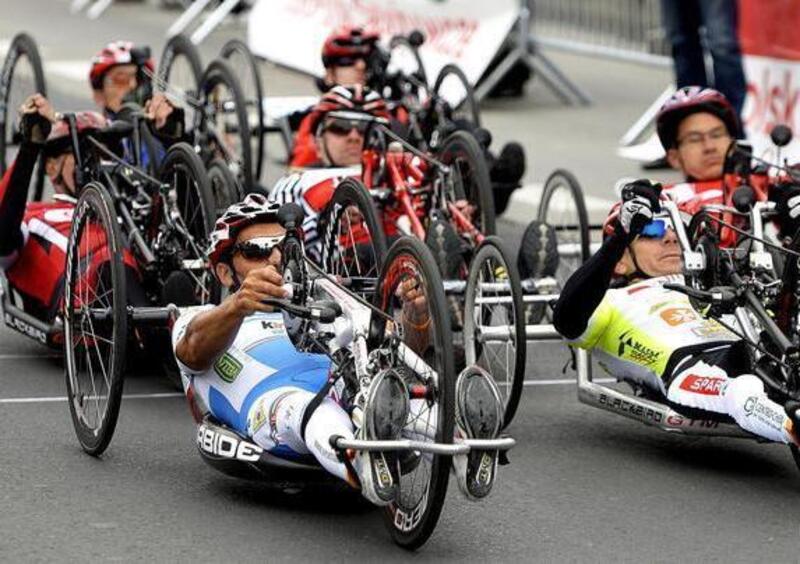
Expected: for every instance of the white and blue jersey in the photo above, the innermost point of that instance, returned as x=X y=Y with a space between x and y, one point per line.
x=262 y=362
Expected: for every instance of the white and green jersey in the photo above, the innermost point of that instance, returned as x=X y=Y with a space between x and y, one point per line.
x=636 y=330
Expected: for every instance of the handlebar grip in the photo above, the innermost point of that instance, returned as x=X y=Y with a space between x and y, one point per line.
x=324 y=313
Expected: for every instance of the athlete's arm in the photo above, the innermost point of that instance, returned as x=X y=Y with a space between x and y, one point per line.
x=585 y=289
x=212 y=332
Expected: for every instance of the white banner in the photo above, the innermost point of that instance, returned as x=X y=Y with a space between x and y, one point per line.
x=465 y=32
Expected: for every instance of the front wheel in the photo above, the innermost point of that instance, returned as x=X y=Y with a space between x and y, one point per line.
x=410 y=293
x=494 y=324
x=95 y=319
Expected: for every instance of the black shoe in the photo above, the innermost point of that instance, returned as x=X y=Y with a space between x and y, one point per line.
x=479 y=415
x=509 y=166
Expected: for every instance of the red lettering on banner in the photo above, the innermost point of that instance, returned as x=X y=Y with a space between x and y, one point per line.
x=705 y=385
x=772 y=103
x=448 y=36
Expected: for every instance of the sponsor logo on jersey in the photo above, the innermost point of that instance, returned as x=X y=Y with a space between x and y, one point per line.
x=706 y=385
x=675 y=316
x=227 y=367
x=636 y=351
x=709 y=329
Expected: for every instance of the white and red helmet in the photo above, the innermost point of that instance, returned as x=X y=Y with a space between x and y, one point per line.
x=119 y=53
x=348 y=101
x=255 y=208
x=691 y=100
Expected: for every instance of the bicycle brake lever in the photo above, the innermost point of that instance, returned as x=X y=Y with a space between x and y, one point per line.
x=323 y=313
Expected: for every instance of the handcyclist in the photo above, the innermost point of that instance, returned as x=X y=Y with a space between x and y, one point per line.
x=696 y=127
x=120 y=77
x=352 y=55
x=274 y=384
x=33 y=236
x=642 y=332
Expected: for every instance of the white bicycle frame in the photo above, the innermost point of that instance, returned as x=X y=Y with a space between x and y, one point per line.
x=352 y=329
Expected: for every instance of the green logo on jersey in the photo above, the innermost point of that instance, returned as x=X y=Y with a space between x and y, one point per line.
x=228 y=367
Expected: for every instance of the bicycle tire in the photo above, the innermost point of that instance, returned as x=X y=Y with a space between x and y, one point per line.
x=219 y=73
x=253 y=99
x=461 y=150
x=224 y=186
x=336 y=247
x=22 y=46
x=183 y=170
x=492 y=263
x=561 y=178
x=412 y=516
x=469 y=100
x=95 y=202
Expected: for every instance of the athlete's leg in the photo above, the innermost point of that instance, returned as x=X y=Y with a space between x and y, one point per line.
x=708 y=387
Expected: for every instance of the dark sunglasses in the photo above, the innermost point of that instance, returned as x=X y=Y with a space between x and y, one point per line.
x=347 y=61
x=342 y=126
x=258 y=248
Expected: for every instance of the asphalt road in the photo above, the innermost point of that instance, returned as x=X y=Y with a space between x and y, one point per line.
x=583 y=486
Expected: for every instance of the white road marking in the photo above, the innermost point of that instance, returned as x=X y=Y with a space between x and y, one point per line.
x=13 y=356
x=64 y=399
x=563 y=381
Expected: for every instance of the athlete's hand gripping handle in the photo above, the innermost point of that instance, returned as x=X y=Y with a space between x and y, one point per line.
x=640 y=201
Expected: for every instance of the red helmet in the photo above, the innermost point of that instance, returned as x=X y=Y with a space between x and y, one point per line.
x=254 y=208
x=348 y=100
x=119 y=53
x=59 y=142
x=691 y=100
x=347 y=44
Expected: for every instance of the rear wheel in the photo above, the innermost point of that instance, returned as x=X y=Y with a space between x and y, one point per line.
x=244 y=65
x=22 y=75
x=95 y=319
x=410 y=292
x=494 y=326
x=352 y=242
x=452 y=84
x=181 y=69
x=470 y=178
x=224 y=186
x=562 y=206
x=224 y=123
x=190 y=206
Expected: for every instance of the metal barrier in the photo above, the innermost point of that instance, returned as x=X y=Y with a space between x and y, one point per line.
x=625 y=29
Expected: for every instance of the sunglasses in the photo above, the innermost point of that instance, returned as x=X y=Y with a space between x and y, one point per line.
x=656 y=229
x=342 y=126
x=258 y=248
x=347 y=61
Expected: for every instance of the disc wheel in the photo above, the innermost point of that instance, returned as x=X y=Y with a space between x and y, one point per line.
x=351 y=235
x=562 y=206
x=180 y=71
x=494 y=324
x=22 y=75
x=223 y=122
x=192 y=213
x=224 y=186
x=244 y=66
x=410 y=292
x=469 y=177
x=95 y=319
x=452 y=84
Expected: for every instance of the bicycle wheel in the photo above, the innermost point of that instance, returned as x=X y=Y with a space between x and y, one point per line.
x=494 y=324
x=224 y=186
x=352 y=242
x=422 y=483
x=223 y=121
x=22 y=75
x=180 y=71
x=95 y=319
x=470 y=178
x=452 y=84
x=562 y=206
x=244 y=65
x=191 y=210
